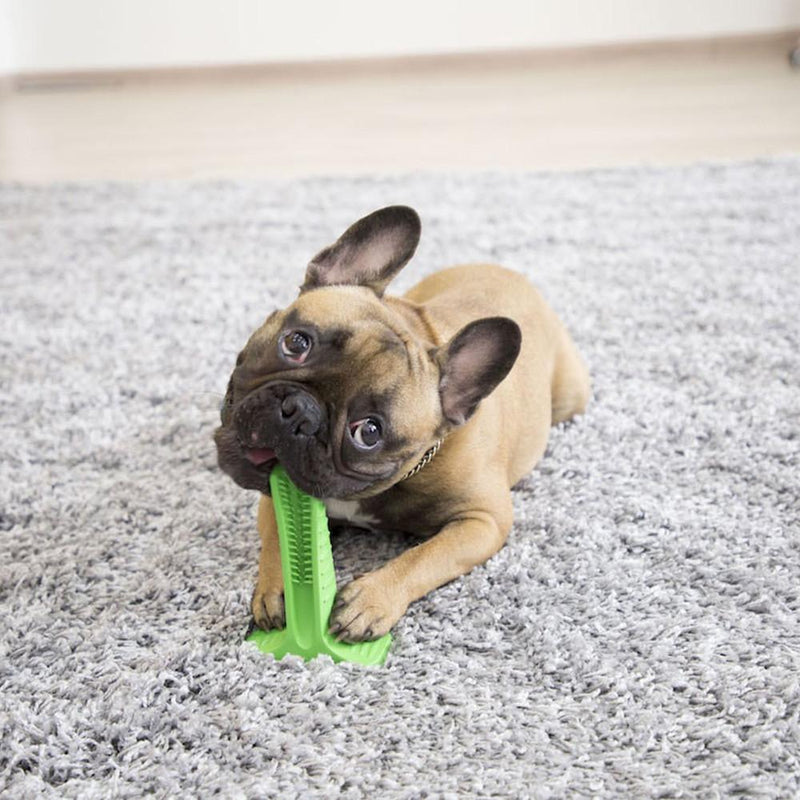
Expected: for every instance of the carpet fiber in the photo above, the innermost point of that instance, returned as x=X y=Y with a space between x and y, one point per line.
x=639 y=635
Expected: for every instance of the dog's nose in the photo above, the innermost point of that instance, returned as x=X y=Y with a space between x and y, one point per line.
x=302 y=413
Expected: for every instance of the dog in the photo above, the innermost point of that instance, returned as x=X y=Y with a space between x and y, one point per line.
x=414 y=413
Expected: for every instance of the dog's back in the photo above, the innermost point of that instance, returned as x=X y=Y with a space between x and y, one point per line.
x=549 y=382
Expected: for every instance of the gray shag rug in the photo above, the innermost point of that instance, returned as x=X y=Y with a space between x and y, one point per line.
x=639 y=635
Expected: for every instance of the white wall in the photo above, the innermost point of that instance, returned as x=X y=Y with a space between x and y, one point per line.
x=48 y=35
x=7 y=57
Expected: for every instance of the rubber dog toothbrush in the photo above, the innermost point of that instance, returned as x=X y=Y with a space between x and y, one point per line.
x=309 y=582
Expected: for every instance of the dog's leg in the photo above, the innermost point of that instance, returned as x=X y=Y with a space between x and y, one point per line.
x=369 y=606
x=267 y=604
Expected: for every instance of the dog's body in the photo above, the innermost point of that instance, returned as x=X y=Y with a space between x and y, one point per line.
x=419 y=374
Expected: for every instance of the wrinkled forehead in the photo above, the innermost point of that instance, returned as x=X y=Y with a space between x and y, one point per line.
x=350 y=318
x=339 y=305
x=353 y=334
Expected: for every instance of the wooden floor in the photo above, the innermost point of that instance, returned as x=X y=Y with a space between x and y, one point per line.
x=654 y=105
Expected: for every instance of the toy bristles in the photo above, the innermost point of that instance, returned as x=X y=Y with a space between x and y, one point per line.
x=309 y=582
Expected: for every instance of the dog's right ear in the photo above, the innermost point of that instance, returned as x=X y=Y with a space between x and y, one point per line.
x=369 y=253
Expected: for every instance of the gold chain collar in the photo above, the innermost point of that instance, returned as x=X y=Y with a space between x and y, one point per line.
x=425 y=460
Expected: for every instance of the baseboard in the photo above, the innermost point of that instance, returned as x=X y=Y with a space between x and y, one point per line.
x=100 y=78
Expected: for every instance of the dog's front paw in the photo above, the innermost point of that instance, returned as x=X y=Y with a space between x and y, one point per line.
x=268 y=609
x=365 y=609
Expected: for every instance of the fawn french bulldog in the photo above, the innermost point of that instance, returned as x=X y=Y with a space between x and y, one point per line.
x=414 y=413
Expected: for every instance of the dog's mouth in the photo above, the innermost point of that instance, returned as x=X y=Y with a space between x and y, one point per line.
x=258 y=462
x=260 y=457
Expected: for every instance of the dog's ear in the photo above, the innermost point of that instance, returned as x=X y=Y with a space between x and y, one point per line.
x=474 y=362
x=369 y=253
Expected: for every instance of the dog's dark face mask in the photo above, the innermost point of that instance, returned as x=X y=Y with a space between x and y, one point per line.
x=339 y=388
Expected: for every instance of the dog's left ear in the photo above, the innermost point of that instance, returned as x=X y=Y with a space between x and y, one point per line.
x=369 y=253
x=474 y=362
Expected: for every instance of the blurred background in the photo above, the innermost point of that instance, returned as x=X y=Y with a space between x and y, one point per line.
x=162 y=89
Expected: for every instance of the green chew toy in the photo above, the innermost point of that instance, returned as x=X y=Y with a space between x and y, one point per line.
x=309 y=582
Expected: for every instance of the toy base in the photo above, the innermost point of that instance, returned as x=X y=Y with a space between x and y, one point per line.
x=280 y=643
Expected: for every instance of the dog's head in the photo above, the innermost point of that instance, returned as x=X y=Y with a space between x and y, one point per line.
x=342 y=387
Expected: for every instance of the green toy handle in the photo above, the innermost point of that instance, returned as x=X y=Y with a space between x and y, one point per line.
x=309 y=582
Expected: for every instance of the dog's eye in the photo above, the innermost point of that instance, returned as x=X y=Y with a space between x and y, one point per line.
x=295 y=346
x=366 y=433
